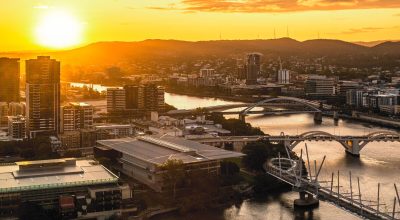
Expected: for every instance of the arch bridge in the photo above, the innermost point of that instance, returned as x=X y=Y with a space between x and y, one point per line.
x=286 y=105
x=278 y=105
x=352 y=144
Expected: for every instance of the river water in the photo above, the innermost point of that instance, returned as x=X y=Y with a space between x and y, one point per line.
x=378 y=163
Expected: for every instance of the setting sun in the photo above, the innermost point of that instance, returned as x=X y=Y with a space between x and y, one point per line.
x=58 y=29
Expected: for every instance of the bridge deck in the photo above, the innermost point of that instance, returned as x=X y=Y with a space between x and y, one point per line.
x=343 y=200
x=228 y=139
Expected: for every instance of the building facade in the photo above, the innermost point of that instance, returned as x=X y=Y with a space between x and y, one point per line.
x=9 y=83
x=135 y=99
x=283 y=76
x=142 y=157
x=83 y=140
x=154 y=98
x=253 y=68
x=317 y=85
x=116 y=100
x=3 y=114
x=16 y=108
x=68 y=188
x=111 y=131
x=17 y=127
x=76 y=116
x=43 y=96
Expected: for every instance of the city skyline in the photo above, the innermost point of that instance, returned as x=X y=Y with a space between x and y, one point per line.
x=78 y=23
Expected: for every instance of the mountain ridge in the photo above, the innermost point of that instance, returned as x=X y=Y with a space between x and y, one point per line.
x=108 y=52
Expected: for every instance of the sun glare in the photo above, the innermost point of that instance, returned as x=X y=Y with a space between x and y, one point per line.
x=58 y=29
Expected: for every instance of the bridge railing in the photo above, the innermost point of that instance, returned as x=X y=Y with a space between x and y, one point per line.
x=352 y=202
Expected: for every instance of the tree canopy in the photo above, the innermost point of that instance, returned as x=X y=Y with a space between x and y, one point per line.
x=257 y=153
x=174 y=173
x=235 y=126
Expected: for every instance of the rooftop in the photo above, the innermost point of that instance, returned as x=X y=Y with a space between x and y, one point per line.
x=79 y=104
x=157 y=150
x=110 y=126
x=56 y=173
x=208 y=128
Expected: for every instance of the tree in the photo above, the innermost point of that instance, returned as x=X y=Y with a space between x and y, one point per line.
x=235 y=126
x=229 y=168
x=44 y=151
x=201 y=111
x=257 y=153
x=256 y=156
x=73 y=153
x=174 y=173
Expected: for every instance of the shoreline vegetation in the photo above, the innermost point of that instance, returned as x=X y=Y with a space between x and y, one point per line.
x=214 y=95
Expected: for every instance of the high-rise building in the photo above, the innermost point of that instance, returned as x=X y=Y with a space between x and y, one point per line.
x=253 y=68
x=9 y=83
x=207 y=72
x=344 y=86
x=154 y=98
x=3 y=114
x=17 y=127
x=283 y=76
x=241 y=72
x=355 y=97
x=144 y=98
x=43 y=96
x=16 y=108
x=76 y=116
x=134 y=97
x=116 y=100
x=317 y=85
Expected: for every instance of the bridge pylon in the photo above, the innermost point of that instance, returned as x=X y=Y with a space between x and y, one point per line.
x=353 y=147
x=336 y=115
x=306 y=200
x=242 y=117
x=318 y=116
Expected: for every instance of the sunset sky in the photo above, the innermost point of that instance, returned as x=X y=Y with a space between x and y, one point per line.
x=49 y=24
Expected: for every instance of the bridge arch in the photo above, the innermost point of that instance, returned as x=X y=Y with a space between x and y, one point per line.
x=301 y=101
x=352 y=145
x=315 y=134
x=380 y=134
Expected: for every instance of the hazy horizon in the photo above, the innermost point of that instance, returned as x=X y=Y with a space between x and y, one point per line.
x=361 y=43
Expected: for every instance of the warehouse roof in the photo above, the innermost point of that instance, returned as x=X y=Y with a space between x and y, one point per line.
x=158 y=150
x=57 y=173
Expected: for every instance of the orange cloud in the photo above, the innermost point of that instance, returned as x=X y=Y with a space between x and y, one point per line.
x=362 y=30
x=259 y=6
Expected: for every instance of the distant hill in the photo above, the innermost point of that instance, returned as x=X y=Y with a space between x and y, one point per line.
x=114 y=52
x=371 y=43
x=387 y=48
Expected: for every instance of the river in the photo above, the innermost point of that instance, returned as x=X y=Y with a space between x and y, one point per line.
x=378 y=163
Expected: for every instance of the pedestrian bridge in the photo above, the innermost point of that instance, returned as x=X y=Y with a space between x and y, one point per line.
x=311 y=188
